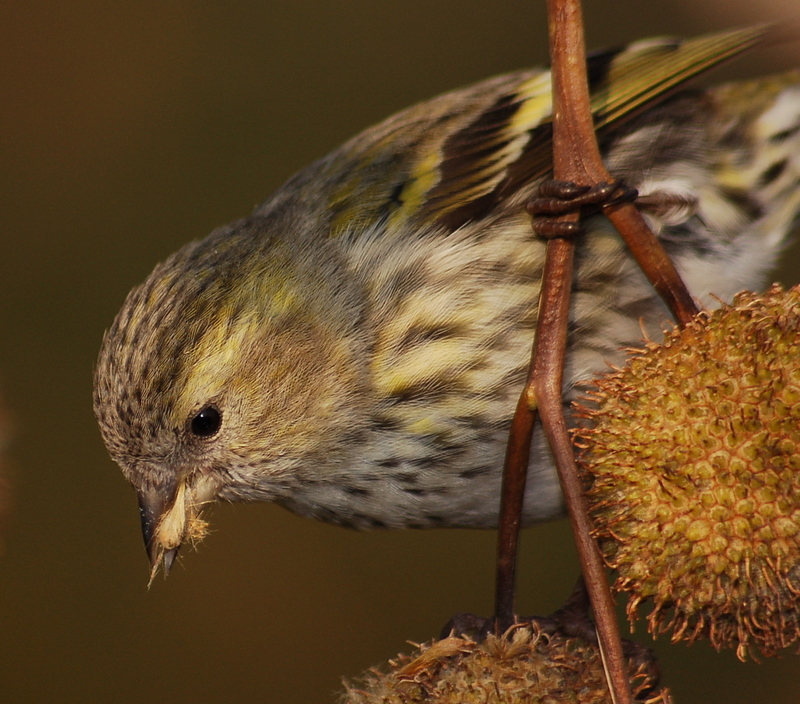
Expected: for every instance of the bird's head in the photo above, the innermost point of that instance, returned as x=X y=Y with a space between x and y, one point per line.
x=228 y=374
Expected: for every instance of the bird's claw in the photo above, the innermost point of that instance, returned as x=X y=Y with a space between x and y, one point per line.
x=556 y=198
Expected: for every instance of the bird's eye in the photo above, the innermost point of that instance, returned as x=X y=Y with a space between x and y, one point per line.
x=207 y=422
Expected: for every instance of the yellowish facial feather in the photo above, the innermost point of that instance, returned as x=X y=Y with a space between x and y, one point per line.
x=213 y=360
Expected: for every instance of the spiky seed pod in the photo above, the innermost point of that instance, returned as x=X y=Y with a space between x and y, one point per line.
x=522 y=666
x=692 y=457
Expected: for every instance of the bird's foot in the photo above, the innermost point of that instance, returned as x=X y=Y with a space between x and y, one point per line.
x=555 y=198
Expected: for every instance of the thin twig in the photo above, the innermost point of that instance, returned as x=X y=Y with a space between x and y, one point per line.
x=512 y=495
x=576 y=158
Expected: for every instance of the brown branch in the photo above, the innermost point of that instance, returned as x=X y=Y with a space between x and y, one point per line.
x=576 y=158
x=512 y=495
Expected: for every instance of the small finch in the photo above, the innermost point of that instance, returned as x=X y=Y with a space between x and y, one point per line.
x=354 y=349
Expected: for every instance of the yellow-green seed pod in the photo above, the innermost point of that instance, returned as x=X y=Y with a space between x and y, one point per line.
x=692 y=460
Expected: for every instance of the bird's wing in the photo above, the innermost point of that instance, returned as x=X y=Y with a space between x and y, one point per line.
x=452 y=159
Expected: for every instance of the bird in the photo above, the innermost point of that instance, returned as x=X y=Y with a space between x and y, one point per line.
x=353 y=349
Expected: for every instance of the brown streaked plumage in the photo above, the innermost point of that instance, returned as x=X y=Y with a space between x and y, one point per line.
x=353 y=350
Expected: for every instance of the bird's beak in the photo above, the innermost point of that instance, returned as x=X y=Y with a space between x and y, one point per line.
x=169 y=515
x=154 y=505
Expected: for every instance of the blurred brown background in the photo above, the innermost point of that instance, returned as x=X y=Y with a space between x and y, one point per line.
x=127 y=129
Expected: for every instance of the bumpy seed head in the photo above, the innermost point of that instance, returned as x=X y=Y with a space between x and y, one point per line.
x=524 y=665
x=692 y=457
